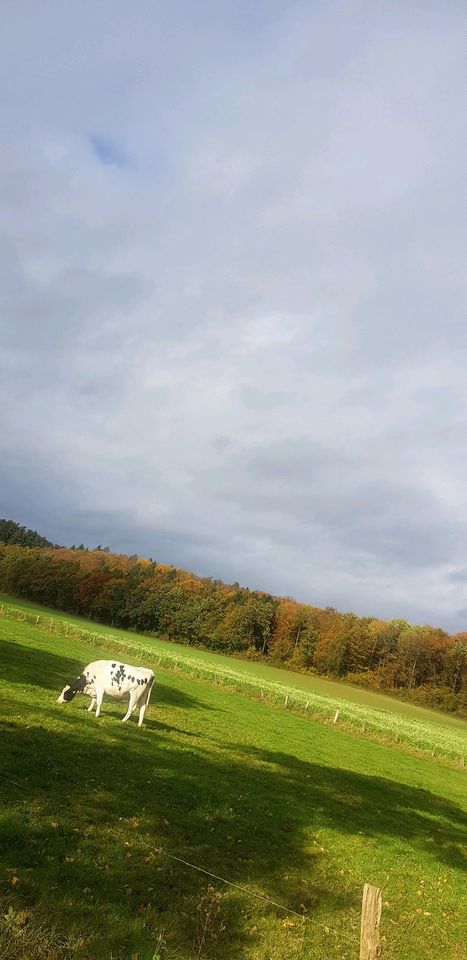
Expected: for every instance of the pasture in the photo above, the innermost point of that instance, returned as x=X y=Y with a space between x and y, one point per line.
x=411 y=727
x=285 y=806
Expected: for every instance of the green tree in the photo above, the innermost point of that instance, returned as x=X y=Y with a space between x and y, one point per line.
x=14 y=533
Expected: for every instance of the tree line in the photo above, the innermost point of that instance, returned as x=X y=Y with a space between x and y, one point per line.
x=11 y=532
x=420 y=663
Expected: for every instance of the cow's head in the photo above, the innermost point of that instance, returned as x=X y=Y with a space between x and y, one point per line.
x=71 y=689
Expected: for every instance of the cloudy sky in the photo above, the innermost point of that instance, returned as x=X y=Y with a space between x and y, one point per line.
x=233 y=333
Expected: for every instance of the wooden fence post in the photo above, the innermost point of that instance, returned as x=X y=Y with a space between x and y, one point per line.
x=370 y=948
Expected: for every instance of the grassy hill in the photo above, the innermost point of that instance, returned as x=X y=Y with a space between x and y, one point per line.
x=419 y=664
x=375 y=714
x=286 y=807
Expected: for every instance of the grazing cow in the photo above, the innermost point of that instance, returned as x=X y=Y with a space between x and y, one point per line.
x=117 y=680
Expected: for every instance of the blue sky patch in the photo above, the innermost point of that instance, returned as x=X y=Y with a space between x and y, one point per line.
x=109 y=152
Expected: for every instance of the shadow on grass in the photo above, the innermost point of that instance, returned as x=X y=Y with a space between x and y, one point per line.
x=355 y=803
x=93 y=803
x=26 y=665
x=84 y=833
x=163 y=693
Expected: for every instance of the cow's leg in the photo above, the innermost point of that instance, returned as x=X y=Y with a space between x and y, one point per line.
x=92 y=705
x=131 y=705
x=142 y=709
x=99 y=699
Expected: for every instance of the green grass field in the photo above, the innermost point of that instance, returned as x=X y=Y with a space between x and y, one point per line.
x=303 y=681
x=287 y=807
x=378 y=716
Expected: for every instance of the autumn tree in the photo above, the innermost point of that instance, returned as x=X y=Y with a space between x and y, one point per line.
x=422 y=663
x=285 y=628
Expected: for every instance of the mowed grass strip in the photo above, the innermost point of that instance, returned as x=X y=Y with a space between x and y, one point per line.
x=289 y=808
x=410 y=727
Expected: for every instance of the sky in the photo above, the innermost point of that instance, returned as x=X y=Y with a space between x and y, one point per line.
x=233 y=333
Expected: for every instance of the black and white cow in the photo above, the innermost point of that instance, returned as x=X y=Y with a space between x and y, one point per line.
x=117 y=680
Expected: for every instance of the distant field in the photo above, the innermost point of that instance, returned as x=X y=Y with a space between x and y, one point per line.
x=332 y=688
x=286 y=807
x=373 y=714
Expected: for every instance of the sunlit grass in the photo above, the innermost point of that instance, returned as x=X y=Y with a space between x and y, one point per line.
x=285 y=806
x=421 y=730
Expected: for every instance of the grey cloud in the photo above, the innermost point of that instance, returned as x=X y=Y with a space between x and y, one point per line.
x=244 y=351
x=458 y=576
x=304 y=490
x=66 y=314
x=35 y=492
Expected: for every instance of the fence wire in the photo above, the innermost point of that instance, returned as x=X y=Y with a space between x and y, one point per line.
x=251 y=893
